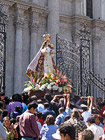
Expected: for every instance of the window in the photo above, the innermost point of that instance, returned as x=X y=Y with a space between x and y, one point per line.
x=89 y=8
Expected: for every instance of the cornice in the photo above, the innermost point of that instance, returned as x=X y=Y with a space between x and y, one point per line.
x=25 y=5
x=98 y=24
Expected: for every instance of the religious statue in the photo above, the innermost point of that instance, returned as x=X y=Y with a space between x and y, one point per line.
x=43 y=61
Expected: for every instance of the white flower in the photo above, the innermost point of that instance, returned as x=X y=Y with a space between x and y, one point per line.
x=28 y=89
x=42 y=88
x=37 y=87
x=46 y=84
x=49 y=87
x=55 y=87
x=51 y=84
x=60 y=89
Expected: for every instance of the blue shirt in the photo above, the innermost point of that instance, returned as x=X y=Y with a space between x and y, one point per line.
x=48 y=112
x=60 y=118
x=47 y=131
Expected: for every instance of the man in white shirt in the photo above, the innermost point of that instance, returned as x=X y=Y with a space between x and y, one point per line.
x=87 y=110
x=97 y=130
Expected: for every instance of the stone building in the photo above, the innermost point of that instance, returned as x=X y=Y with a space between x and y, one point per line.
x=30 y=19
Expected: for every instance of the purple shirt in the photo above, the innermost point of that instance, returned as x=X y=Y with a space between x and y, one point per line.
x=12 y=106
x=28 y=126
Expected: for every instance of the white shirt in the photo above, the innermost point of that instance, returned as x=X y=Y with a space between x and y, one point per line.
x=97 y=130
x=85 y=115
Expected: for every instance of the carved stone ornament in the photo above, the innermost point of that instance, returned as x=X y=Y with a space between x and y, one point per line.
x=96 y=37
x=34 y=26
x=3 y=15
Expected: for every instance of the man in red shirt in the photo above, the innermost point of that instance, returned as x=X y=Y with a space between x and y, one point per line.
x=27 y=123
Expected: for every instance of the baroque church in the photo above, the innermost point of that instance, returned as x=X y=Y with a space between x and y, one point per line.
x=28 y=20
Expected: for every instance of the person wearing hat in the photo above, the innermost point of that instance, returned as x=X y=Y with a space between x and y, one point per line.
x=97 y=130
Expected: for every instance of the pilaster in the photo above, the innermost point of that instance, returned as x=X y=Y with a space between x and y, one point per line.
x=19 y=22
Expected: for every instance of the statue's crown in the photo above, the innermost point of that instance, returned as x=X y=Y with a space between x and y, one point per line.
x=46 y=37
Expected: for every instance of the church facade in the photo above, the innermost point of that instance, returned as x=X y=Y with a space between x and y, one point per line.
x=28 y=20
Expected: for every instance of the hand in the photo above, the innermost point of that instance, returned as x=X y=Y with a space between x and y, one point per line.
x=15 y=126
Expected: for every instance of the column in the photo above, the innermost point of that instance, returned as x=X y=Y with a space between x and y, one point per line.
x=78 y=7
x=53 y=20
x=96 y=50
x=18 y=53
x=103 y=9
x=34 y=38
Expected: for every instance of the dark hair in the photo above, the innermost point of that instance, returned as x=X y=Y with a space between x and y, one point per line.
x=6 y=100
x=47 y=97
x=97 y=116
x=91 y=119
x=67 y=117
x=87 y=135
x=49 y=120
x=32 y=104
x=5 y=113
x=18 y=109
x=17 y=97
x=67 y=128
x=25 y=98
x=76 y=114
x=61 y=109
x=39 y=114
x=99 y=98
x=46 y=105
x=33 y=98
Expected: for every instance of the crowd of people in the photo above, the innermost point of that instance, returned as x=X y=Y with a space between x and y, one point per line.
x=55 y=117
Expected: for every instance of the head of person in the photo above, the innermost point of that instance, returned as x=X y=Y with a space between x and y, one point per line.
x=76 y=114
x=97 y=119
x=84 y=107
x=49 y=120
x=25 y=97
x=47 y=97
x=6 y=122
x=39 y=115
x=46 y=105
x=18 y=109
x=61 y=101
x=61 y=109
x=90 y=120
x=32 y=107
x=86 y=135
x=2 y=96
x=5 y=113
x=33 y=98
x=66 y=131
x=99 y=100
x=17 y=98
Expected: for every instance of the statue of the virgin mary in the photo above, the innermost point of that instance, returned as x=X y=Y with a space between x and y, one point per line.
x=43 y=61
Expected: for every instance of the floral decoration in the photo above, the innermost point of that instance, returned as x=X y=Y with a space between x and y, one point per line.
x=52 y=81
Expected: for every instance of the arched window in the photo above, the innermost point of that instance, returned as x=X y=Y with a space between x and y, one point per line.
x=89 y=8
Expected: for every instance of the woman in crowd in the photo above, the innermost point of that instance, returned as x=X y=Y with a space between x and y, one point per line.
x=48 y=128
x=10 y=129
